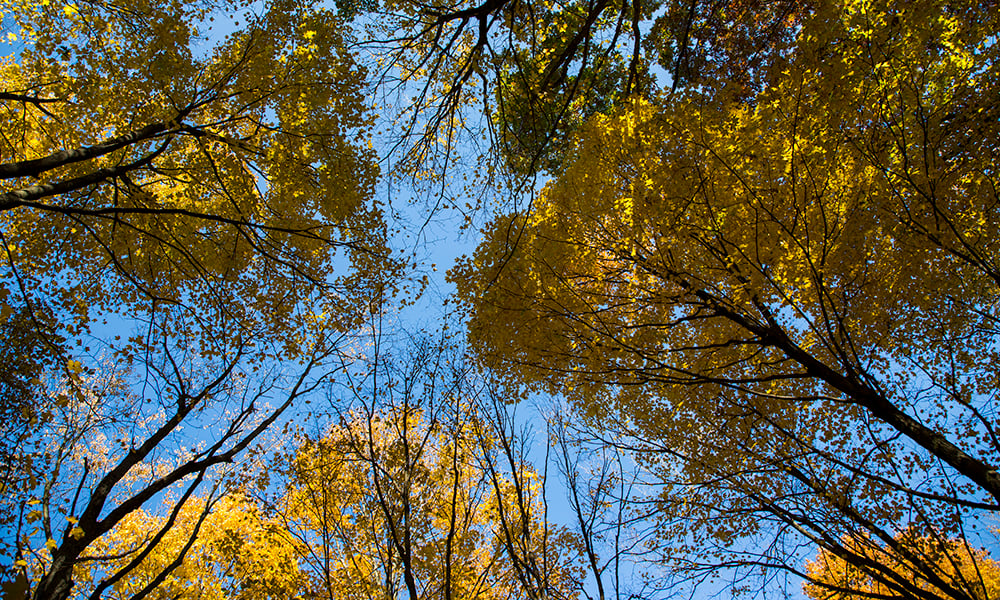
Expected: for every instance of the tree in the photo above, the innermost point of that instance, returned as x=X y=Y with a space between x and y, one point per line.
x=180 y=212
x=884 y=576
x=402 y=495
x=116 y=448
x=537 y=70
x=383 y=516
x=30 y=354
x=147 y=167
x=784 y=300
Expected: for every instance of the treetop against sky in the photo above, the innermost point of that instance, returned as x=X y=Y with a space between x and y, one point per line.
x=745 y=254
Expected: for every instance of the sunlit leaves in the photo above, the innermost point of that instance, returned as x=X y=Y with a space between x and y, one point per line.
x=173 y=168
x=933 y=568
x=237 y=553
x=390 y=504
x=739 y=276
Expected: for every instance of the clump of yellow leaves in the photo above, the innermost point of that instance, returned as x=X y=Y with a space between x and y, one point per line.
x=144 y=163
x=953 y=562
x=391 y=503
x=230 y=550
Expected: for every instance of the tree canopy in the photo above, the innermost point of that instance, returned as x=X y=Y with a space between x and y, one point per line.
x=758 y=262
x=390 y=505
x=235 y=552
x=535 y=71
x=181 y=209
x=791 y=292
x=149 y=163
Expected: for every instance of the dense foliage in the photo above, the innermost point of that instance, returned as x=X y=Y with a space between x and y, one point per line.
x=785 y=300
x=758 y=261
x=180 y=210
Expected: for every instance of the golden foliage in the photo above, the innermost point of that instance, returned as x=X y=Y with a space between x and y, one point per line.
x=147 y=161
x=944 y=566
x=391 y=503
x=792 y=291
x=230 y=551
